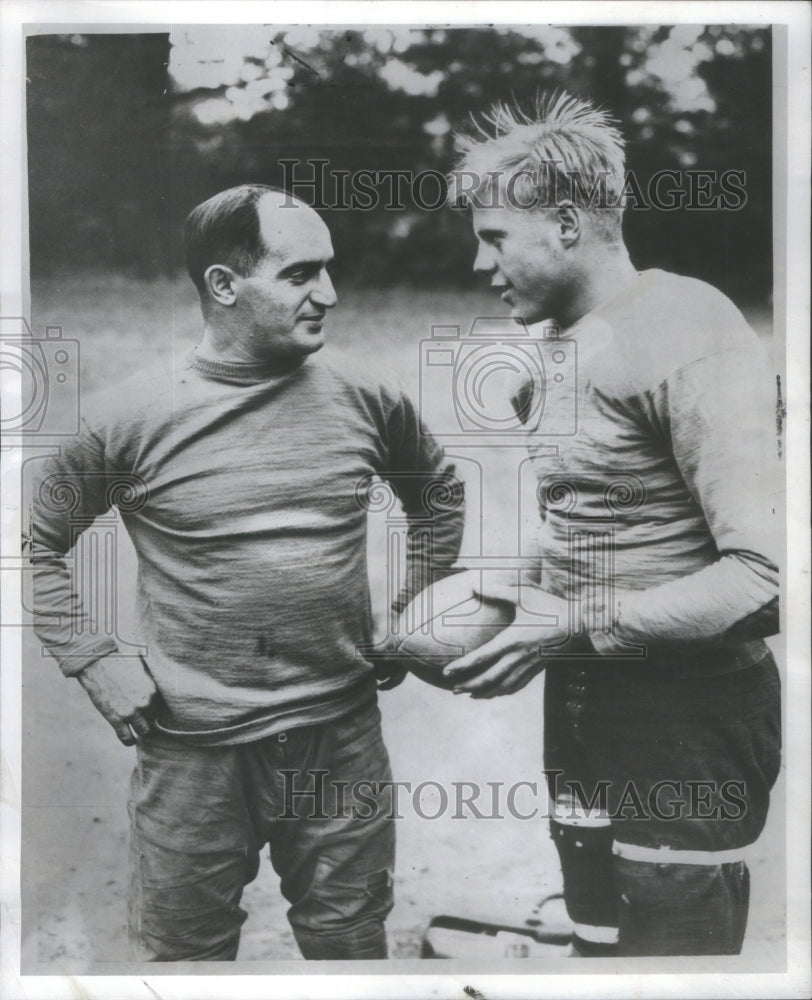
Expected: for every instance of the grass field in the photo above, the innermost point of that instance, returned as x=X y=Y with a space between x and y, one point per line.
x=75 y=774
x=124 y=324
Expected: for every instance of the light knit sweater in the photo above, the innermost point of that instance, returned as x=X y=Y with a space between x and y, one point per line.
x=658 y=486
x=246 y=510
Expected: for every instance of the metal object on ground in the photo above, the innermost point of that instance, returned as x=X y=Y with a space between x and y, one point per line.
x=463 y=937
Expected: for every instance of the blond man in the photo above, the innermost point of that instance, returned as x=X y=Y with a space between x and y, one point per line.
x=657 y=566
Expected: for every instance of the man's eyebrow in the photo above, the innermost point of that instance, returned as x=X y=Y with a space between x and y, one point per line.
x=490 y=234
x=315 y=263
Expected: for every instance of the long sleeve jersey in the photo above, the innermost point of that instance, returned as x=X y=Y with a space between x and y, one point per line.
x=658 y=486
x=245 y=495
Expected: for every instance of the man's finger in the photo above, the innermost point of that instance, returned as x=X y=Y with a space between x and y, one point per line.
x=532 y=603
x=392 y=679
x=510 y=686
x=124 y=733
x=478 y=659
x=470 y=665
x=501 y=671
x=139 y=725
x=511 y=673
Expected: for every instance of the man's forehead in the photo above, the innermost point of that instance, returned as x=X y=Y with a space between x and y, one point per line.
x=493 y=217
x=291 y=228
x=507 y=218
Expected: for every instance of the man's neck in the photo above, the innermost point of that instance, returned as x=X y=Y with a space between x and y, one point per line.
x=223 y=345
x=606 y=277
x=219 y=343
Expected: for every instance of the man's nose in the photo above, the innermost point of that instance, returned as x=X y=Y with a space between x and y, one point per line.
x=484 y=262
x=324 y=294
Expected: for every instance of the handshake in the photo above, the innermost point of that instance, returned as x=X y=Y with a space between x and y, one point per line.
x=475 y=635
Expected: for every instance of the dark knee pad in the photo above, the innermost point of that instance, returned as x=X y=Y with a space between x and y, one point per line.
x=587 y=866
x=679 y=909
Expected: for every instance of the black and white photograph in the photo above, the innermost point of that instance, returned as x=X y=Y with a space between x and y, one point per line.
x=406 y=554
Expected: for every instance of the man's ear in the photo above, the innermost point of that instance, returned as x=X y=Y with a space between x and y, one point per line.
x=569 y=223
x=220 y=284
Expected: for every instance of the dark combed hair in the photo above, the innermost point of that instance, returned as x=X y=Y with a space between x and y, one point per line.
x=225 y=230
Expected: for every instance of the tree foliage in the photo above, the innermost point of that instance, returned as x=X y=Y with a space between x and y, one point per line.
x=139 y=146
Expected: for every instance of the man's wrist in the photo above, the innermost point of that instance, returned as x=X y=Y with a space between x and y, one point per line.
x=600 y=622
x=74 y=666
x=84 y=675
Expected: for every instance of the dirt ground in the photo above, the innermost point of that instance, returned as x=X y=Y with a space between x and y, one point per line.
x=75 y=774
x=75 y=830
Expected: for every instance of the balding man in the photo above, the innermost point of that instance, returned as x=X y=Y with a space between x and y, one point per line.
x=254 y=708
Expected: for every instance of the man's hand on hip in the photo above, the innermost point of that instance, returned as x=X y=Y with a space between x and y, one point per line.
x=122 y=690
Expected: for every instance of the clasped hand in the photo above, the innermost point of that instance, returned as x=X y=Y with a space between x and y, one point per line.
x=512 y=659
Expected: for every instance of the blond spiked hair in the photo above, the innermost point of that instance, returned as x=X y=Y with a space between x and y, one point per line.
x=564 y=149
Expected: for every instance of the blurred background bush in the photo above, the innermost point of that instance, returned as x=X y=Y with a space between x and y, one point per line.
x=126 y=132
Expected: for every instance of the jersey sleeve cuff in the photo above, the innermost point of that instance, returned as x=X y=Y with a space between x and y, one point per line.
x=601 y=624
x=74 y=664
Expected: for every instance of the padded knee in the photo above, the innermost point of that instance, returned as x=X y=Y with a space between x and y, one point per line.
x=585 y=852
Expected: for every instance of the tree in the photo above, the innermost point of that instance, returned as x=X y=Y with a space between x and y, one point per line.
x=98 y=164
x=137 y=149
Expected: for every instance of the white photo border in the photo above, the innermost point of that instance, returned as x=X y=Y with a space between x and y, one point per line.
x=791 y=88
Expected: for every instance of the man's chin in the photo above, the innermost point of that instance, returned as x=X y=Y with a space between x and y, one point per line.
x=296 y=351
x=528 y=315
x=524 y=315
x=313 y=343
